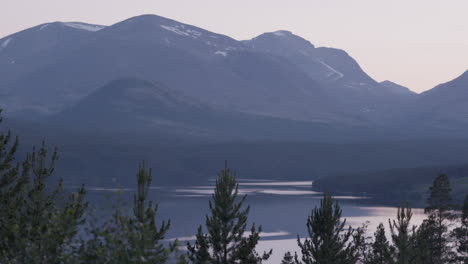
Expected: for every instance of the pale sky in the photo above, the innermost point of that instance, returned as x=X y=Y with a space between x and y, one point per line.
x=416 y=43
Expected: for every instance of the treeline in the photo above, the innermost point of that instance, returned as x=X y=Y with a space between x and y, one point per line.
x=395 y=185
x=41 y=223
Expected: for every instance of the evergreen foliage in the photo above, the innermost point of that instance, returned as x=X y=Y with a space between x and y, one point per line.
x=224 y=242
x=461 y=234
x=289 y=258
x=37 y=223
x=329 y=241
x=436 y=227
x=403 y=236
x=381 y=250
x=129 y=238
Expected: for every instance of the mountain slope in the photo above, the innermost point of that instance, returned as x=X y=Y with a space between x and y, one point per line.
x=396 y=88
x=23 y=53
x=442 y=110
x=139 y=107
x=357 y=92
x=209 y=67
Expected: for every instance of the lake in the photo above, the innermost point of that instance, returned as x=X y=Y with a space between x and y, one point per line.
x=280 y=207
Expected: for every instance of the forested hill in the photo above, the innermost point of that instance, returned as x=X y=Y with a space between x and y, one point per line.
x=397 y=185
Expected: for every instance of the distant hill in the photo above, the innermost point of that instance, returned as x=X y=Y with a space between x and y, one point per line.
x=397 y=185
x=138 y=106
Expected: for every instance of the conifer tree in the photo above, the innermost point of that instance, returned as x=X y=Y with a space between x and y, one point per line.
x=224 y=242
x=132 y=238
x=381 y=250
x=329 y=241
x=289 y=258
x=436 y=226
x=402 y=236
x=461 y=234
x=423 y=243
x=37 y=223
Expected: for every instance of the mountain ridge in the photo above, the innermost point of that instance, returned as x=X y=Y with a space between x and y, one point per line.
x=276 y=74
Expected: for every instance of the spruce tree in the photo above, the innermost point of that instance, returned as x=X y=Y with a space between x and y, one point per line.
x=402 y=236
x=439 y=206
x=225 y=242
x=329 y=242
x=381 y=250
x=128 y=238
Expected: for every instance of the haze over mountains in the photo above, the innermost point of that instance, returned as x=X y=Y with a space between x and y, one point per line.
x=47 y=69
x=150 y=75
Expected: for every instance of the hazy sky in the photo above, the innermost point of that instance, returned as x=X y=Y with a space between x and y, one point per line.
x=417 y=43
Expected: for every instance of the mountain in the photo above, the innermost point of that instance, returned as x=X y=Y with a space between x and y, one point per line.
x=207 y=66
x=322 y=64
x=396 y=88
x=442 y=110
x=344 y=79
x=139 y=107
x=23 y=53
x=448 y=93
x=55 y=68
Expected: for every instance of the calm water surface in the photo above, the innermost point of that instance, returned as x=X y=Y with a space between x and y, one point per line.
x=280 y=207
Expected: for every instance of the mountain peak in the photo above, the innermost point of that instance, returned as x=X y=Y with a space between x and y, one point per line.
x=395 y=88
x=282 y=33
x=280 y=41
x=74 y=25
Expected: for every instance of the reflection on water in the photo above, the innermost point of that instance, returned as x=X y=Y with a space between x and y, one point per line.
x=280 y=207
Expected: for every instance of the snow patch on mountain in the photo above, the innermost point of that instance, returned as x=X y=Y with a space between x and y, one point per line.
x=332 y=70
x=180 y=30
x=43 y=26
x=83 y=26
x=175 y=30
x=5 y=43
x=222 y=53
x=282 y=33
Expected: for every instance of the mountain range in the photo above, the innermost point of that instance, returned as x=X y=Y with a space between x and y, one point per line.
x=54 y=69
x=156 y=89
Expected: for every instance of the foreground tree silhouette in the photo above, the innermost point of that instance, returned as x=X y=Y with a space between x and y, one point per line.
x=381 y=250
x=37 y=224
x=461 y=234
x=436 y=227
x=130 y=238
x=403 y=236
x=224 y=242
x=329 y=242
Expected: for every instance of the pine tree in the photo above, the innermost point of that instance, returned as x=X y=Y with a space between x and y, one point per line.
x=461 y=234
x=424 y=242
x=439 y=209
x=329 y=242
x=402 y=236
x=224 y=242
x=289 y=258
x=132 y=238
x=382 y=251
x=37 y=223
